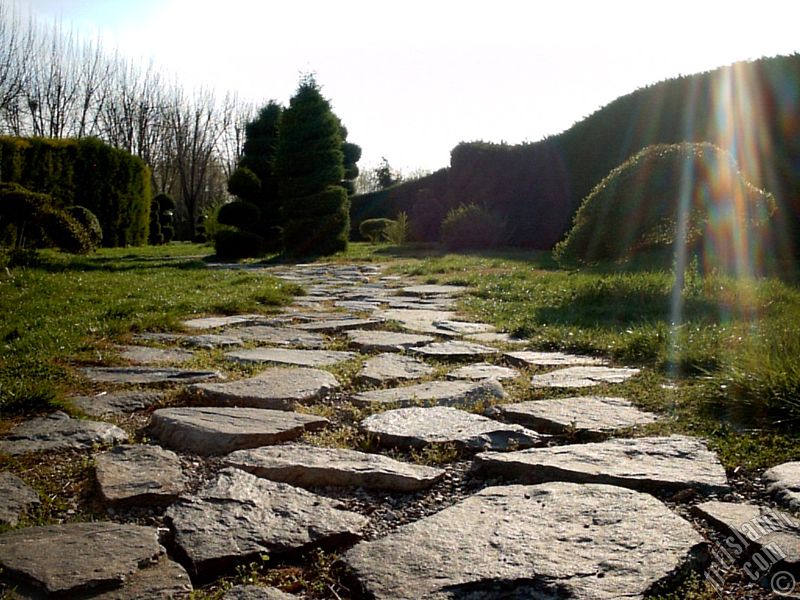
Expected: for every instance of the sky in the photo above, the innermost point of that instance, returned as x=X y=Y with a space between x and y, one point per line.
x=412 y=79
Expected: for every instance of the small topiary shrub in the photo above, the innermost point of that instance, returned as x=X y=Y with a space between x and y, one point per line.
x=239 y=213
x=162 y=216
x=233 y=244
x=244 y=184
x=65 y=232
x=471 y=227
x=89 y=221
x=374 y=229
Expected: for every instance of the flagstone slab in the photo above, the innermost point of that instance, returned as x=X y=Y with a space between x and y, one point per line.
x=530 y=358
x=416 y=427
x=139 y=475
x=357 y=305
x=434 y=290
x=275 y=335
x=253 y=592
x=16 y=498
x=147 y=355
x=279 y=388
x=439 y=303
x=784 y=482
x=454 y=350
x=586 y=417
x=652 y=464
x=555 y=540
x=465 y=327
x=418 y=321
x=495 y=338
x=57 y=432
x=148 y=375
x=483 y=371
x=434 y=393
x=337 y=325
x=210 y=341
x=165 y=579
x=224 y=321
x=390 y=368
x=579 y=377
x=239 y=516
x=288 y=356
x=116 y=403
x=385 y=341
x=310 y=466
x=221 y=430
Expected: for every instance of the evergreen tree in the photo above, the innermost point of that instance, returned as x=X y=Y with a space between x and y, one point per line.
x=310 y=167
x=258 y=155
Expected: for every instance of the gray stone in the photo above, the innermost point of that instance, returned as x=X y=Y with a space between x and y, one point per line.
x=222 y=430
x=279 y=388
x=587 y=417
x=148 y=375
x=56 y=432
x=239 y=516
x=756 y=527
x=209 y=341
x=454 y=350
x=136 y=475
x=115 y=403
x=495 y=338
x=434 y=290
x=357 y=305
x=311 y=466
x=440 y=303
x=388 y=368
x=784 y=481
x=218 y=322
x=275 y=335
x=483 y=371
x=145 y=355
x=578 y=377
x=336 y=325
x=556 y=540
x=385 y=341
x=529 y=358
x=165 y=580
x=159 y=337
x=418 y=321
x=16 y=498
x=434 y=393
x=415 y=427
x=288 y=356
x=654 y=464
x=77 y=557
x=253 y=592
x=464 y=327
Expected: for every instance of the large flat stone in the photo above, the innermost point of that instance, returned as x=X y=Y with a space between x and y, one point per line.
x=434 y=393
x=483 y=371
x=465 y=327
x=556 y=540
x=209 y=341
x=495 y=338
x=115 y=403
x=148 y=375
x=274 y=335
x=653 y=464
x=454 y=350
x=784 y=481
x=586 y=417
x=427 y=290
x=418 y=320
x=311 y=466
x=529 y=358
x=239 y=516
x=165 y=579
x=303 y=358
x=77 y=557
x=136 y=475
x=416 y=427
x=278 y=388
x=146 y=355
x=57 y=432
x=218 y=322
x=579 y=377
x=16 y=498
x=222 y=430
x=253 y=592
x=389 y=368
x=337 y=325
x=385 y=341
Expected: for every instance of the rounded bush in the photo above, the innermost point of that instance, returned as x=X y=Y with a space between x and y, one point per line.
x=374 y=229
x=329 y=200
x=244 y=184
x=239 y=214
x=65 y=232
x=164 y=202
x=471 y=227
x=234 y=244
x=168 y=233
x=89 y=221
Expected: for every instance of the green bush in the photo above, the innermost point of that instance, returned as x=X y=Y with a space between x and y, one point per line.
x=245 y=185
x=374 y=229
x=239 y=213
x=397 y=232
x=89 y=221
x=233 y=244
x=318 y=236
x=471 y=227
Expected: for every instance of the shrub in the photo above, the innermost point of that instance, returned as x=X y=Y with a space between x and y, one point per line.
x=397 y=232
x=168 y=233
x=235 y=244
x=244 y=184
x=65 y=232
x=471 y=227
x=374 y=229
x=89 y=221
x=239 y=213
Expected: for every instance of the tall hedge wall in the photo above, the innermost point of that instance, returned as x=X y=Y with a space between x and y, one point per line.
x=111 y=183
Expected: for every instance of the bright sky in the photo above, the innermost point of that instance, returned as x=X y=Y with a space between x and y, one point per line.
x=411 y=79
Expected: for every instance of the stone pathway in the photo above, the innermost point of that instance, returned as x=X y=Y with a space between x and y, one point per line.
x=545 y=498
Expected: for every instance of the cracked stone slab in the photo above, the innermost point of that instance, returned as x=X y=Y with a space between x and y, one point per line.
x=310 y=466
x=529 y=358
x=555 y=540
x=16 y=498
x=165 y=579
x=57 y=432
x=136 y=475
x=115 y=403
x=276 y=335
x=210 y=341
x=651 y=464
x=221 y=430
x=218 y=322
x=385 y=341
x=337 y=325
x=78 y=557
x=434 y=290
x=288 y=356
x=418 y=321
x=239 y=516
x=434 y=393
x=465 y=327
x=253 y=592
x=483 y=371
x=416 y=427
x=388 y=368
x=148 y=375
x=278 y=388
x=146 y=355
x=578 y=377
x=440 y=303
x=587 y=417
x=454 y=350
x=755 y=528
x=784 y=482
